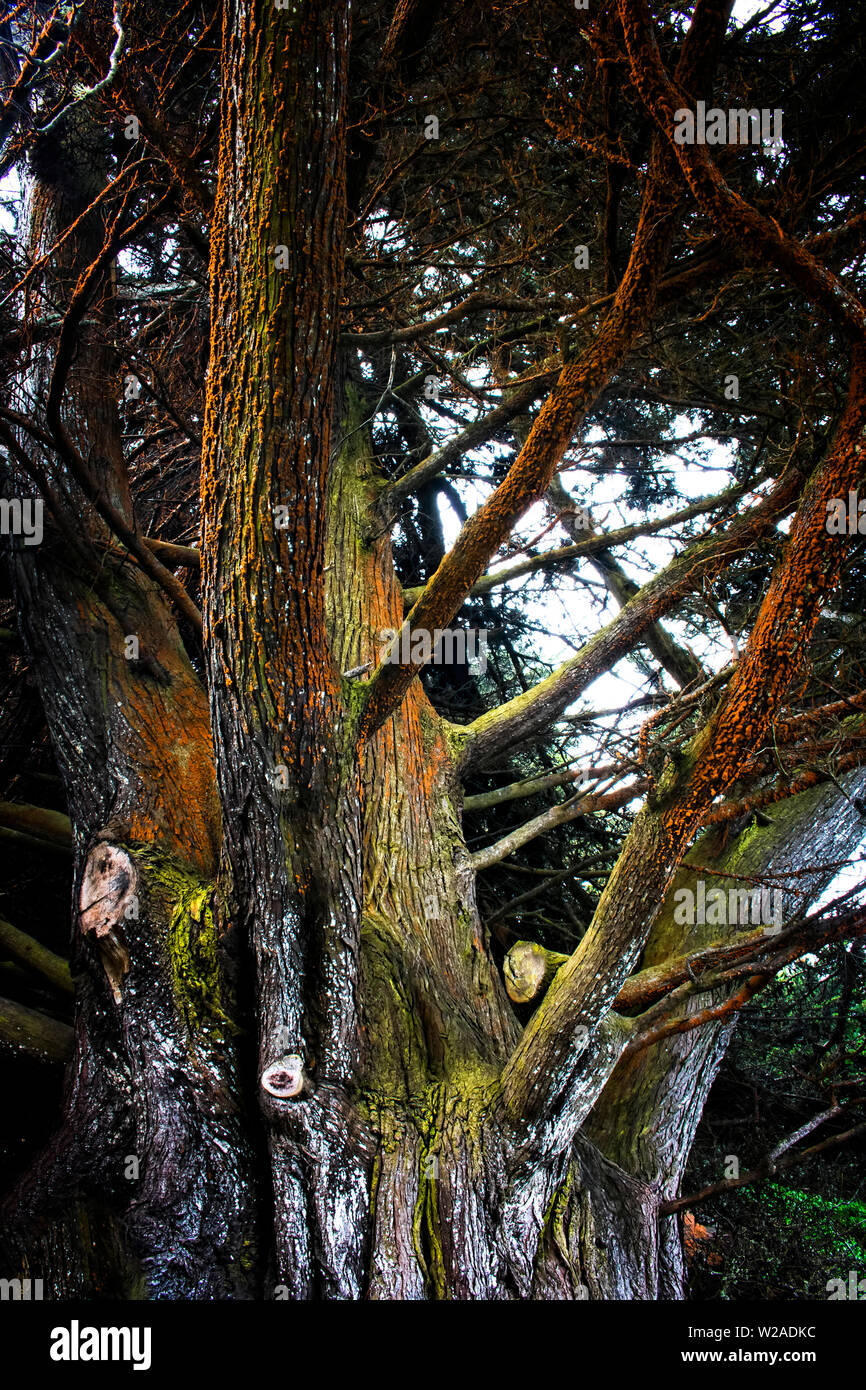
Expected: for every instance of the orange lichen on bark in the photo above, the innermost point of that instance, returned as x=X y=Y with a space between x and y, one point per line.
x=586 y=986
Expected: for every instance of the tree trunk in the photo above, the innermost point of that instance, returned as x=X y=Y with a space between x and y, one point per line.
x=297 y=1073
x=151 y=1129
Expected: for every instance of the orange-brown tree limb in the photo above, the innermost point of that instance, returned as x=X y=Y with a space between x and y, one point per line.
x=546 y=1076
x=645 y=988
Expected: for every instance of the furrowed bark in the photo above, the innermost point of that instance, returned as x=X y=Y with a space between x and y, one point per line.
x=286 y=765
x=151 y=1129
x=671 y=1080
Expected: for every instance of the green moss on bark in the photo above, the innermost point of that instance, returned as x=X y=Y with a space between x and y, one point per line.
x=195 y=961
x=185 y=903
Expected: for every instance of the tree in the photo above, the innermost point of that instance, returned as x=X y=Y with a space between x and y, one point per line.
x=334 y=266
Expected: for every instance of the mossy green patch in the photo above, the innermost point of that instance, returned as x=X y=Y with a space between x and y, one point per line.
x=195 y=961
x=186 y=903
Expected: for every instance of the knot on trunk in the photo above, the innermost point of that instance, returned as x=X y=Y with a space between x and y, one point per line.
x=108 y=899
x=285 y=1079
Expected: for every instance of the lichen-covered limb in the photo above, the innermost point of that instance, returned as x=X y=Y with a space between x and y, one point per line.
x=548 y=1066
x=36 y=820
x=529 y=786
x=33 y=1033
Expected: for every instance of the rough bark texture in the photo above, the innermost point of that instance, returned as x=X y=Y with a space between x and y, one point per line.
x=287 y=1009
x=647 y=1115
x=154 y=1049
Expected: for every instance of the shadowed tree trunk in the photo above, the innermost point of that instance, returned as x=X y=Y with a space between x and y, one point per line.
x=150 y=1126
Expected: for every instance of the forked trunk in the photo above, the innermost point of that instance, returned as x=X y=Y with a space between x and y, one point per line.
x=297 y=1073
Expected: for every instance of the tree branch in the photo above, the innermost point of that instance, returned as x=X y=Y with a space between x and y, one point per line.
x=592 y=545
x=516 y=791
x=566 y=811
x=529 y=477
x=756 y=237
x=20 y=839
x=765 y=1170
x=548 y=1066
x=36 y=1035
x=675 y=659
x=37 y=957
x=36 y=820
x=530 y=714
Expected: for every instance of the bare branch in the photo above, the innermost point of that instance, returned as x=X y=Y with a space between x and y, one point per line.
x=580 y=805
x=765 y=1170
x=36 y=957
x=34 y=1034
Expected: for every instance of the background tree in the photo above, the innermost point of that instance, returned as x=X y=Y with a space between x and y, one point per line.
x=313 y=328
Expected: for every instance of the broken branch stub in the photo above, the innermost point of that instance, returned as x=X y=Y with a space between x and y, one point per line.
x=108 y=899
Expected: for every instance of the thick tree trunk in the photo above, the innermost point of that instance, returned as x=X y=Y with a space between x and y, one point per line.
x=296 y=1072
x=151 y=1126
